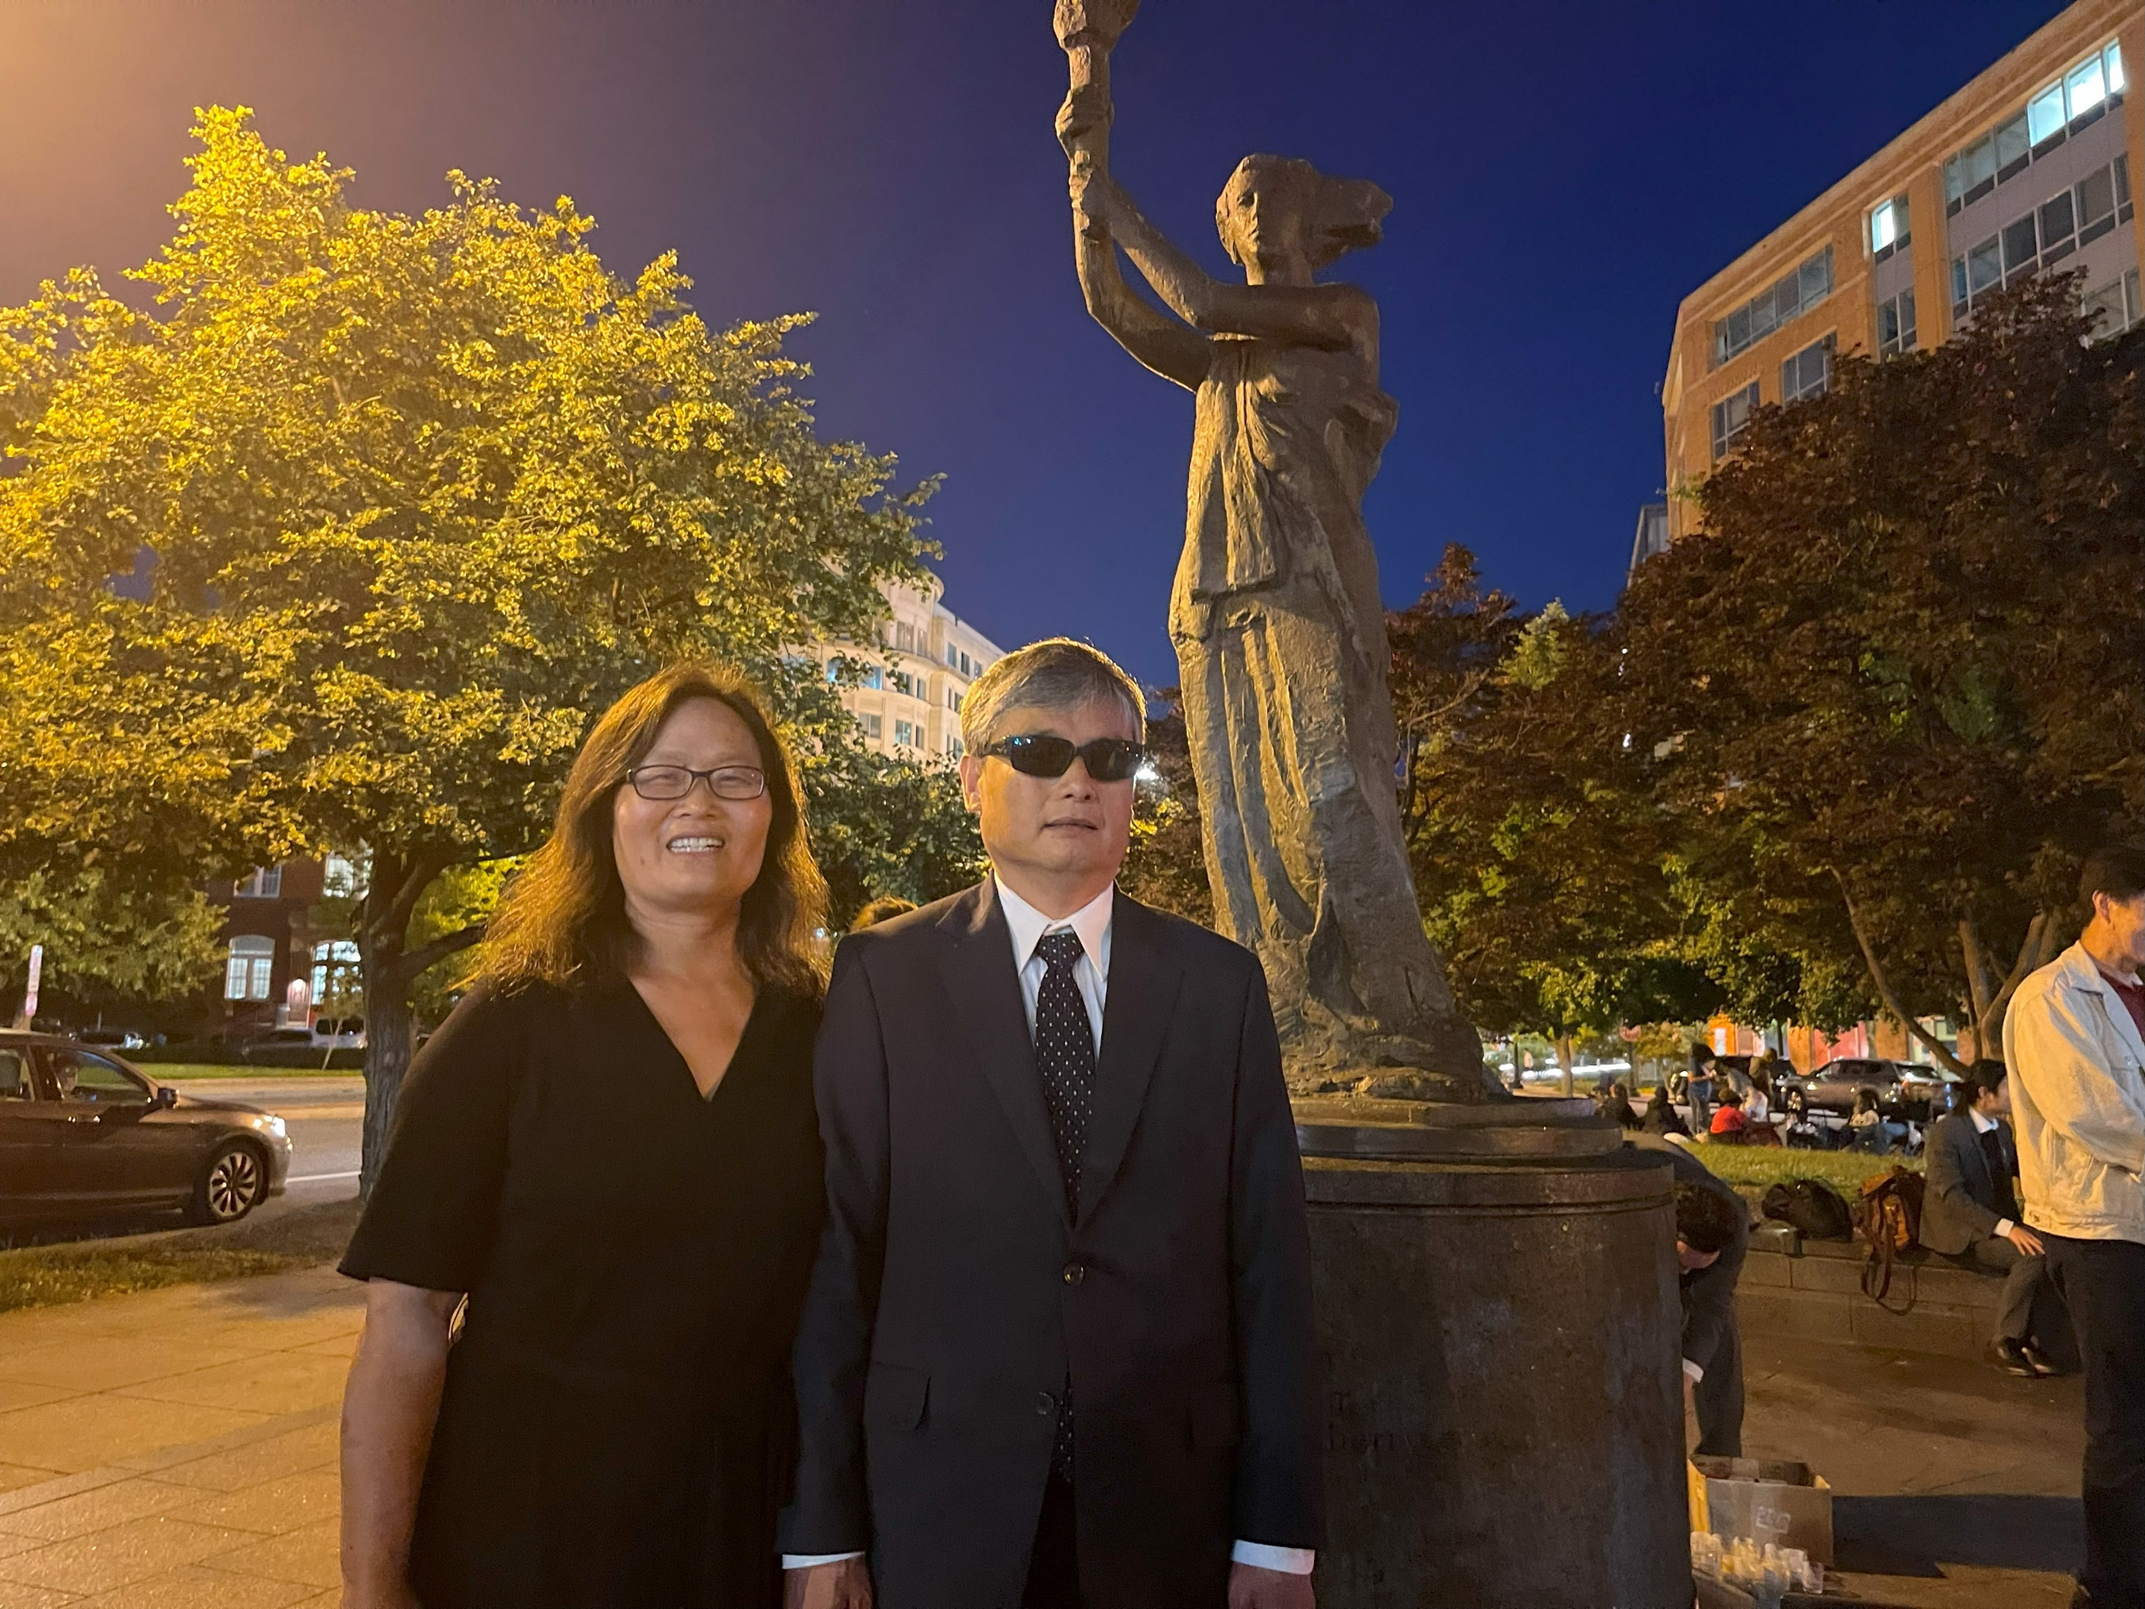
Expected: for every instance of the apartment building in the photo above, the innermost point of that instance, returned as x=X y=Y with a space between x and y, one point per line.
x=2033 y=165
x=916 y=676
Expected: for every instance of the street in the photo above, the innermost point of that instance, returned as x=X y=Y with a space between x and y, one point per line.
x=325 y=1116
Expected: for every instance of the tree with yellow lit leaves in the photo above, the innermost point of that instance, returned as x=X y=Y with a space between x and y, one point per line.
x=402 y=503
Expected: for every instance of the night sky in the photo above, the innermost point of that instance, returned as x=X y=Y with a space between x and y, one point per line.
x=1563 y=175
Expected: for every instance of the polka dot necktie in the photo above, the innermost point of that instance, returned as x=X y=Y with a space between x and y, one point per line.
x=1065 y=1056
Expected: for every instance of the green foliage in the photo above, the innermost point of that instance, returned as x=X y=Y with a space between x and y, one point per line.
x=47 y=1276
x=105 y=936
x=883 y=826
x=405 y=502
x=1538 y=857
x=1167 y=864
x=1895 y=687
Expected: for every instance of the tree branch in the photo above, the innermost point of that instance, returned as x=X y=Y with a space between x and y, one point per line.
x=1977 y=969
x=1898 y=1012
x=2036 y=952
x=405 y=968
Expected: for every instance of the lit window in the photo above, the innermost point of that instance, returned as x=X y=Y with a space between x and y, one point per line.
x=2085 y=87
x=871 y=725
x=2045 y=113
x=2113 y=56
x=1888 y=227
x=874 y=677
x=266 y=883
x=251 y=967
x=1731 y=417
x=904 y=734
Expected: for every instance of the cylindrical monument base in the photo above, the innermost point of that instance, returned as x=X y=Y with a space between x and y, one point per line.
x=1498 y=1311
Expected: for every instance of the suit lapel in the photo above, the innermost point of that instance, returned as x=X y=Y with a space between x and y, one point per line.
x=980 y=976
x=1144 y=979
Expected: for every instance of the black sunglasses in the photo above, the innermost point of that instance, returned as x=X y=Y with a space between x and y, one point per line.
x=1108 y=759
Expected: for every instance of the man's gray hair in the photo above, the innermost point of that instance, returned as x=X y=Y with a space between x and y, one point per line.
x=1054 y=674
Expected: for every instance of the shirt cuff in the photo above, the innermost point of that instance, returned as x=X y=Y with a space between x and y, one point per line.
x=805 y=1561
x=1693 y=1371
x=1264 y=1556
x=2004 y=1226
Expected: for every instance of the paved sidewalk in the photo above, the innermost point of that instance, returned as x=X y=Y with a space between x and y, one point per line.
x=1956 y=1486
x=175 y=1448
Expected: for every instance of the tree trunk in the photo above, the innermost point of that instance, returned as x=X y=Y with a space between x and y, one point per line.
x=390 y=968
x=1567 y=1056
x=2044 y=940
x=1935 y=1046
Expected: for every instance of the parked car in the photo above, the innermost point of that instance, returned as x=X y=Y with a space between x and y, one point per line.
x=83 y=1132
x=1906 y=1091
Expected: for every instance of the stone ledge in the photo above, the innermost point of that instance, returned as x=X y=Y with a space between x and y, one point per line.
x=1931 y=1307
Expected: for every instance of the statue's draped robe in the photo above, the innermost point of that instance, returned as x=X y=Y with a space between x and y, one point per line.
x=1281 y=646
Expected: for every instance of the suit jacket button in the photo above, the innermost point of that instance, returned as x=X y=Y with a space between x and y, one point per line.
x=1074 y=1273
x=1046 y=1404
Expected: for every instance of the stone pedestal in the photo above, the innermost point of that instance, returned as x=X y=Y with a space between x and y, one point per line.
x=1498 y=1311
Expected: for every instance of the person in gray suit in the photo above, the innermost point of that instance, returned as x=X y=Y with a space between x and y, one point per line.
x=1970 y=1210
x=1058 y=1347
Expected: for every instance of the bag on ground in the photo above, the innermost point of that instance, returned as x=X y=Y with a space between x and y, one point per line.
x=1813 y=1207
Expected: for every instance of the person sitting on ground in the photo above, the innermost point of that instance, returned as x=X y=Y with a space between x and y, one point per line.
x=1729 y=1124
x=1871 y=1132
x=1617 y=1105
x=1661 y=1117
x=1970 y=1211
x=1758 y=1116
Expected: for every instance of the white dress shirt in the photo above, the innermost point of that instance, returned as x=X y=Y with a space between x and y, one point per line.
x=1091 y=975
x=1982 y=1125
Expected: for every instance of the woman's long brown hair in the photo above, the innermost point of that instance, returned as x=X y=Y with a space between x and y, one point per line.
x=562 y=920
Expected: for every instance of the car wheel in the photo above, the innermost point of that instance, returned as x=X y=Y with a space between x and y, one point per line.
x=230 y=1186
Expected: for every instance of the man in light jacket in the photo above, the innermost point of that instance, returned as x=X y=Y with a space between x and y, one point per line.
x=2075 y=1042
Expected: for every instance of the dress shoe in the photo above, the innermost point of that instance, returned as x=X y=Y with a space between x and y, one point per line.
x=2033 y=1354
x=2012 y=1359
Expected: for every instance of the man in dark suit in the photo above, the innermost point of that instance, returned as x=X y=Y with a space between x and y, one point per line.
x=1058 y=1347
x=1970 y=1209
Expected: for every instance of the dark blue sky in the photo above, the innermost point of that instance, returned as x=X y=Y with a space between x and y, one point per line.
x=1563 y=174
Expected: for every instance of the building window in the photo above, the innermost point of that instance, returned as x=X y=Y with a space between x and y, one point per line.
x=2074 y=101
x=904 y=735
x=1895 y=325
x=265 y=883
x=1731 y=417
x=1888 y=227
x=337 y=977
x=1788 y=298
x=871 y=724
x=953 y=747
x=905 y=637
x=339 y=877
x=968 y=666
x=250 y=968
x=2069 y=219
x=2114 y=307
x=1808 y=372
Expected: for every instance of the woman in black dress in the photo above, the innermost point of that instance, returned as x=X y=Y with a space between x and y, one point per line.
x=610 y=1149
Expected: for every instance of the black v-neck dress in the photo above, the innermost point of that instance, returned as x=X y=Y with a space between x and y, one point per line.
x=617 y=1429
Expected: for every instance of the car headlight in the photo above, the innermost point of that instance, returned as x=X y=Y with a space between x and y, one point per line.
x=276 y=1126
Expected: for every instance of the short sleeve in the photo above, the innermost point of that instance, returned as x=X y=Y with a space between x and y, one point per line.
x=434 y=1210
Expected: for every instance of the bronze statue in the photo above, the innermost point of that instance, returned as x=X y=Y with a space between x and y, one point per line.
x=1276 y=617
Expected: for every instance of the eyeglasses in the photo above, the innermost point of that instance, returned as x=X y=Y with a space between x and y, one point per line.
x=663 y=783
x=1108 y=759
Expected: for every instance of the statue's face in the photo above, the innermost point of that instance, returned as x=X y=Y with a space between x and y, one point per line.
x=1261 y=227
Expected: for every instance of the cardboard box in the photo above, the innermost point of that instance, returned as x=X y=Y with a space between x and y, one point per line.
x=1785 y=1503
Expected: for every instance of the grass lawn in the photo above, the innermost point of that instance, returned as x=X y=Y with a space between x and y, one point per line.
x=177 y=1072
x=77 y=1270
x=41 y=1276
x=1755 y=1167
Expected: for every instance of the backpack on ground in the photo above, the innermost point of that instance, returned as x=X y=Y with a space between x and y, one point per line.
x=1889 y=1216
x=1813 y=1207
